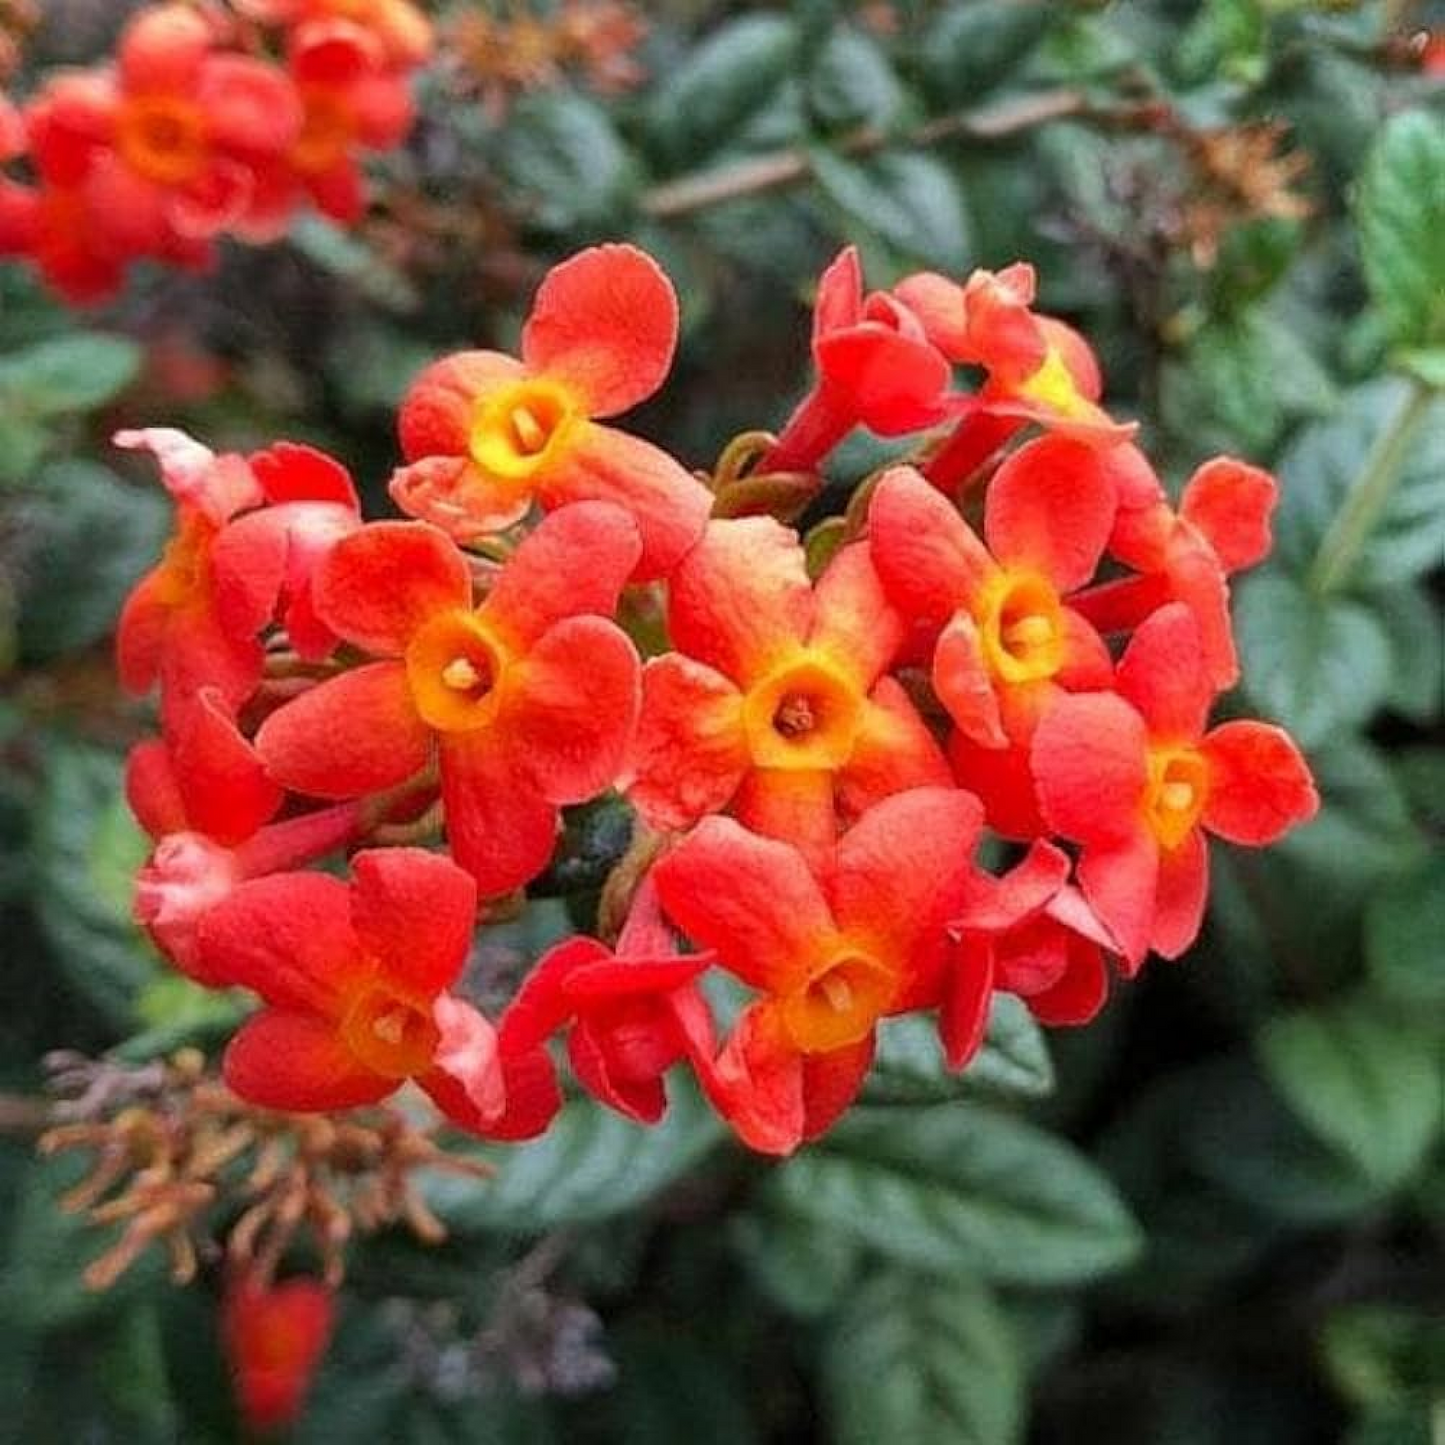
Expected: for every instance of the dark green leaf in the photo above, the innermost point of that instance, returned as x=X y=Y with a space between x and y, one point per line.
x=969 y=50
x=1401 y=218
x=720 y=86
x=1316 y=664
x=591 y=1163
x=909 y=199
x=88 y=539
x=86 y=851
x=1368 y=1083
x=1416 y=625
x=71 y=373
x=852 y=82
x=802 y=1268
x=918 y=1358
x=343 y=255
x=1405 y=938
x=965 y=1189
x=566 y=162
x=909 y=1067
x=1384 y=1354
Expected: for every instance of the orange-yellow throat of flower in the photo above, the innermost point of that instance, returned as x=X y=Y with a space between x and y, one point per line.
x=521 y=429
x=803 y=715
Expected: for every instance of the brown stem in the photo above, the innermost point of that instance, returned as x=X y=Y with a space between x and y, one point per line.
x=787 y=167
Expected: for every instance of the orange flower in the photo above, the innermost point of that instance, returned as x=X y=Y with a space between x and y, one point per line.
x=485 y=435
x=275 y=1336
x=775 y=705
x=830 y=957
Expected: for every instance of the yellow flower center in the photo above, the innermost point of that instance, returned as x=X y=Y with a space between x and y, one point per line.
x=1177 y=791
x=163 y=138
x=520 y=429
x=1021 y=622
x=454 y=665
x=393 y=1036
x=804 y=715
x=839 y=1003
x=1053 y=385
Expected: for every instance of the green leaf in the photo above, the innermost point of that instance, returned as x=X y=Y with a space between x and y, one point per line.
x=1405 y=938
x=1243 y=1138
x=915 y=1358
x=590 y=1164
x=1426 y=363
x=71 y=373
x=803 y=1269
x=566 y=162
x=910 y=200
x=909 y=1066
x=86 y=851
x=23 y=444
x=341 y=254
x=1416 y=626
x=88 y=539
x=971 y=49
x=1323 y=462
x=1400 y=212
x=1316 y=664
x=1368 y=1083
x=964 y=1189
x=1384 y=1354
x=1253 y=257
x=852 y=82
x=720 y=85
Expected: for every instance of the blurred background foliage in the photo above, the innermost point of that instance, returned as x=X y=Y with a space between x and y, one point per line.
x=1217 y=1214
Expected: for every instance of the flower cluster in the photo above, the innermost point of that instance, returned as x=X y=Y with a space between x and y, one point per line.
x=1007 y=644
x=205 y=124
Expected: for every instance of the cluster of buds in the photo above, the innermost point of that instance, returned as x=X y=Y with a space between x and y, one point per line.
x=500 y=56
x=206 y=123
x=815 y=746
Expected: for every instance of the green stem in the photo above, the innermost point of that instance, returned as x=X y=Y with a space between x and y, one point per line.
x=1369 y=494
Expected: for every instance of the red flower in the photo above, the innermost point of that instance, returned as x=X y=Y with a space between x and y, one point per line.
x=876 y=368
x=57 y=229
x=830 y=957
x=170 y=627
x=265 y=562
x=167 y=145
x=205 y=799
x=402 y=30
x=275 y=1336
x=1136 y=780
x=1221 y=527
x=485 y=435
x=1026 y=933
x=1008 y=643
x=630 y=1015
x=775 y=704
x=352 y=100
x=528 y=702
x=354 y=979
x=1039 y=369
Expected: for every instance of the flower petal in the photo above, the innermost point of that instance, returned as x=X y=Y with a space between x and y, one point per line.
x=575 y=563
x=690 y=751
x=1051 y=508
x=439 y=408
x=572 y=706
x=456 y=495
x=604 y=321
x=964 y=684
x=297 y=1061
x=353 y=734
x=498 y=827
x=894 y=751
x=852 y=621
x=741 y=600
x=668 y=504
x=927 y=556
x=1089 y=767
x=902 y=869
x=1259 y=783
x=414 y=913
x=221 y=778
x=752 y=900
x=1162 y=674
x=287 y=937
x=379 y=584
x=831 y=1082
x=1230 y=504
x=1120 y=881
x=793 y=805
x=1180 y=895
